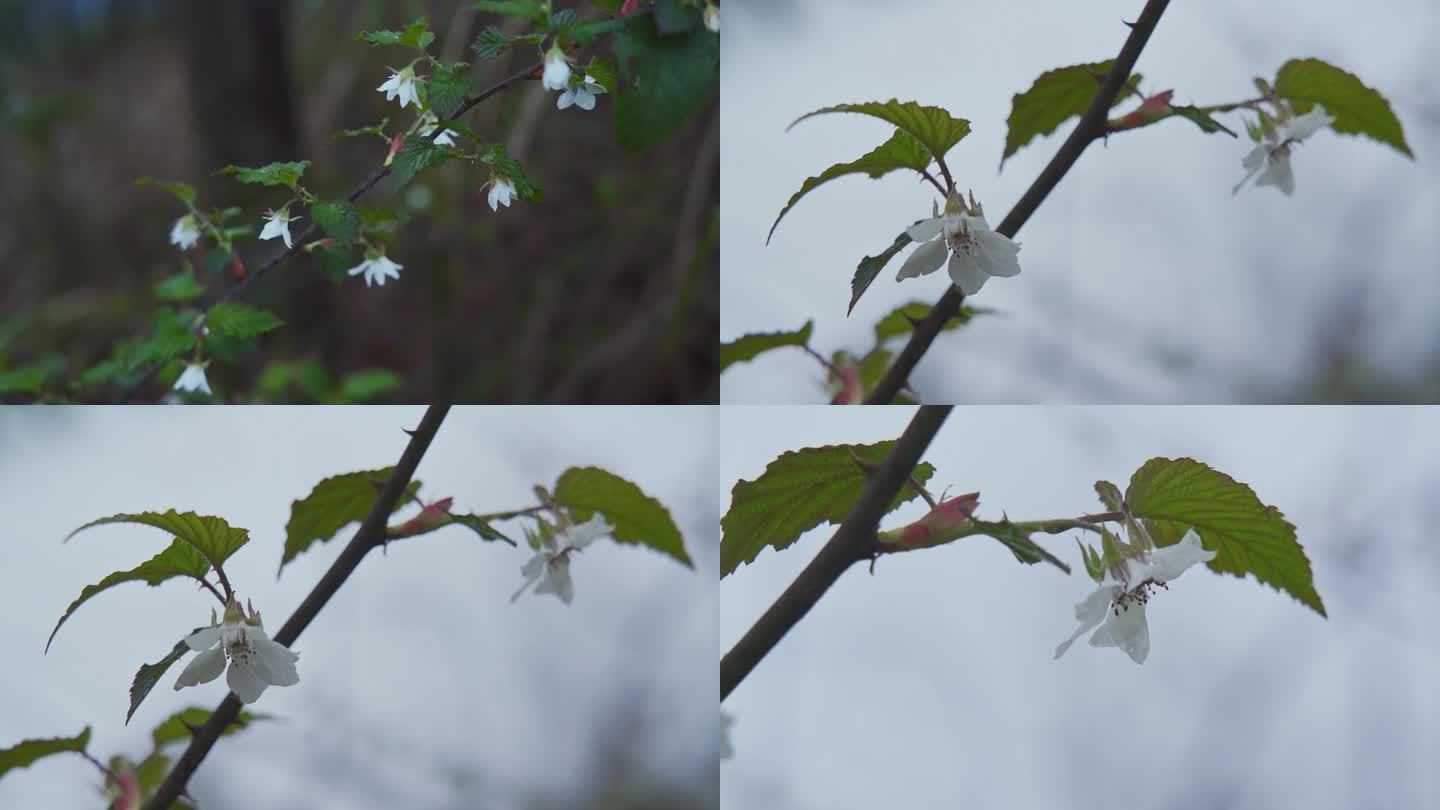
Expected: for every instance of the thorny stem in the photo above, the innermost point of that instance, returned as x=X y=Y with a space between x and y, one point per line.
x=1091 y=127
x=852 y=542
x=925 y=173
x=224 y=583
x=378 y=174
x=212 y=589
x=370 y=535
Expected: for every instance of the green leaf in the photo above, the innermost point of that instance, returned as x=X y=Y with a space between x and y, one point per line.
x=215 y=539
x=671 y=79
x=1357 y=109
x=1203 y=120
x=797 y=492
x=149 y=674
x=22 y=381
x=368 y=385
x=448 y=87
x=902 y=320
x=872 y=367
x=1110 y=496
x=339 y=219
x=496 y=158
x=333 y=504
x=416 y=156
x=870 y=267
x=1018 y=541
x=934 y=127
x=334 y=263
x=184 y=191
x=603 y=72
x=241 y=320
x=26 y=752
x=179 y=287
x=902 y=151
x=748 y=347
x=179 y=560
x=173 y=336
x=528 y=10
x=416 y=35
x=176 y=727
x=480 y=524
x=1057 y=96
x=492 y=42
x=1247 y=536
x=274 y=174
x=635 y=516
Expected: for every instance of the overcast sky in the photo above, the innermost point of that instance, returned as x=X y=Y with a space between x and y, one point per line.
x=421 y=685
x=931 y=684
x=1143 y=279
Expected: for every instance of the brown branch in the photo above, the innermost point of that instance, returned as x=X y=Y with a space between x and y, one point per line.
x=852 y=542
x=370 y=535
x=1090 y=128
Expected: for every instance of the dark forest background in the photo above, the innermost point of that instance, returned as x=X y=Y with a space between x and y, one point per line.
x=607 y=291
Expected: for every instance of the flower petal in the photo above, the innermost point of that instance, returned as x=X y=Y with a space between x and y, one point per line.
x=1089 y=612
x=965 y=272
x=1126 y=630
x=586 y=533
x=1308 y=124
x=925 y=230
x=1170 y=562
x=203 y=668
x=275 y=662
x=998 y=255
x=1279 y=174
x=204 y=638
x=245 y=682
x=584 y=99
x=925 y=260
x=557 y=580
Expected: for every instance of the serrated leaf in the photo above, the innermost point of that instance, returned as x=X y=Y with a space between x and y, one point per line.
x=416 y=156
x=933 y=127
x=26 y=752
x=179 y=287
x=602 y=71
x=416 y=35
x=447 y=89
x=339 y=219
x=901 y=320
x=1110 y=496
x=797 y=492
x=671 y=79
x=1057 y=96
x=274 y=174
x=149 y=674
x=870 y=267
x=215 y=539
x=1203 y=120
x=333 y=504
x=636 y=517
x=492 y=42
x=1357 y=109
x=176 y=727
x=241 y=320
x=179 y=560
x=1018 y=541
x=1248 y=536
x=529 y=10
x=172 y=337
x=184 y=191
x=748 y=347
x=902 y=151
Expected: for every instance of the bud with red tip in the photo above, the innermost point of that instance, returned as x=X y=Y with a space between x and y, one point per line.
x=941 y=525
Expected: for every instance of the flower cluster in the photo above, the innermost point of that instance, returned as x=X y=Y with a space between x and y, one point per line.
x=1270 y=159
x=550 y=567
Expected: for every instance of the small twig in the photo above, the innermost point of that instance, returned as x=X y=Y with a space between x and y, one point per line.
x=212 y=589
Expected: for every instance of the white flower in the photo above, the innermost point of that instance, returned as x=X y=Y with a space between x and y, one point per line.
x=712 y=17
x=557 y=69
x=582 y=94
x=277 y=223
x=402 y=84
x=255 y=661
x=377 y=267
x=976 y=252
x=726 y=721
x=185 y=232
x=193 y=379
x=1121 y=605
x=1271 y=157
x=551 y=564
x=428 y=122
x=502 y=191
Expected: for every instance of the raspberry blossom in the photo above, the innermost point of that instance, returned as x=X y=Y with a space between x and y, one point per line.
x=256 y=662
x=502 y=191
x=580 y=93
x=1120 y=600
x=277 y=223
x=193 y=379
x=377 y=268
x=185 y=232
x=550 y=566
x=976 y=252
x=1271 y=157
x=402 y=84
x=557 y=69
x=428 y=122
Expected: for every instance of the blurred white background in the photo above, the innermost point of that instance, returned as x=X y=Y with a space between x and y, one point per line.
x=1143 y=279
x=931 y=684
x=421 y=685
